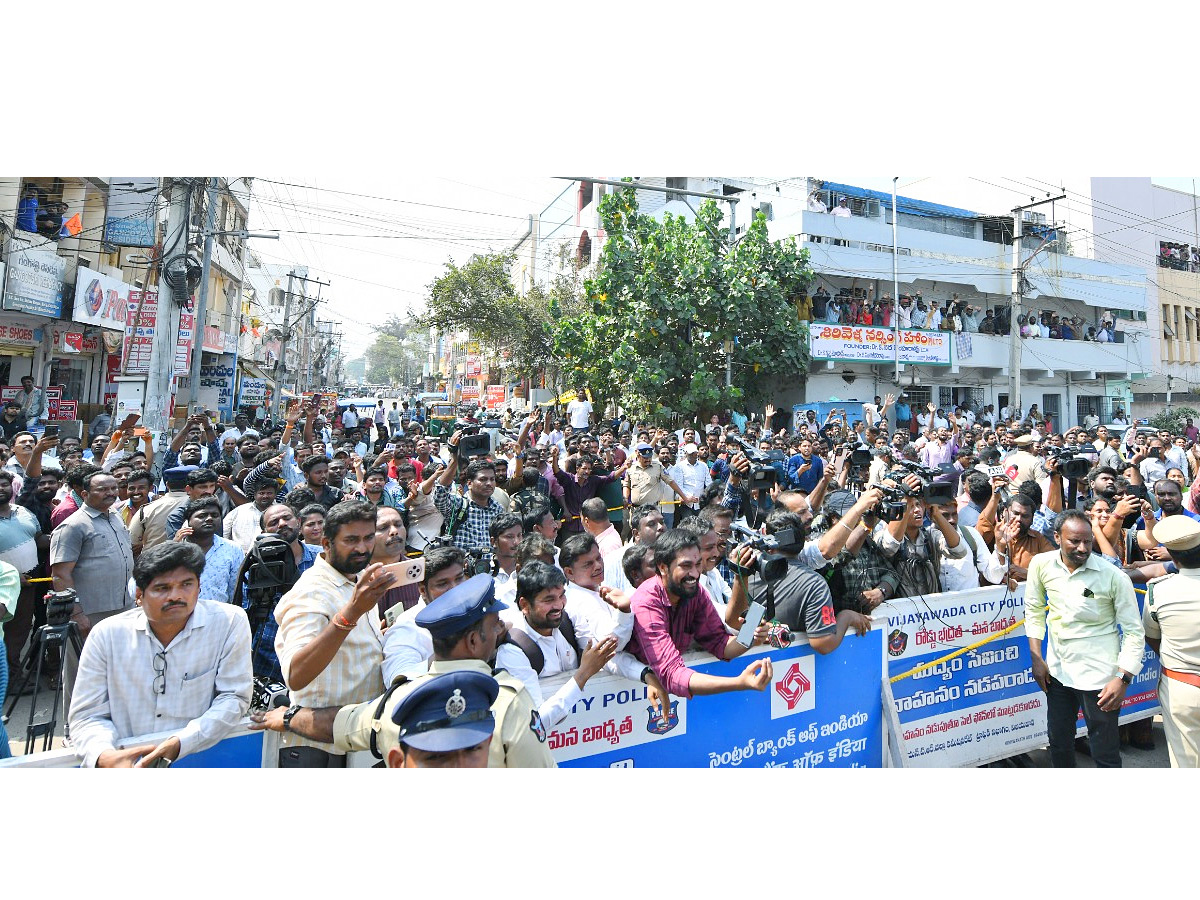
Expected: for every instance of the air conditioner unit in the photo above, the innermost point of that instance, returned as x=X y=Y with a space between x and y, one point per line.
x=768 y=210
x=873 y=209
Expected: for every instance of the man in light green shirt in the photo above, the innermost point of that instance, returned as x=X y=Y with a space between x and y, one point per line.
x=1081 y=599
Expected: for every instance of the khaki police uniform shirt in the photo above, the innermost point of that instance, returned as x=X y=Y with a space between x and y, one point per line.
x=644 y=482
x=1172 y=615
x=149 y=526
x=1028 y=467
x=515 y=743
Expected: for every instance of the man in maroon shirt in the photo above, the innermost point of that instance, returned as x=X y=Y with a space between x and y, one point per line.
x=672 y=609
x=581 y=486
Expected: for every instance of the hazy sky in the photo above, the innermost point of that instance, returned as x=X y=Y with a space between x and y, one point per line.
x=381 y=240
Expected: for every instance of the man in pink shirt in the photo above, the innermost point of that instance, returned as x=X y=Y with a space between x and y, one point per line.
x=672 y=609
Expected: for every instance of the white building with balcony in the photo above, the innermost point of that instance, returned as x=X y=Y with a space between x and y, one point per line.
x=943 y=252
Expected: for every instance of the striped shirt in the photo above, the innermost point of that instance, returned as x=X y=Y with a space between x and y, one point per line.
x=207 y=681
x=354 y=675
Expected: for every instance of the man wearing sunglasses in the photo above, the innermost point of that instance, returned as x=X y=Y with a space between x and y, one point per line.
x=174 y=663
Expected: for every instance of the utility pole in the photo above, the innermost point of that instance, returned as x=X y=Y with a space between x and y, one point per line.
x=1170 y=380
x=1018 y=271
x=156 y=409
x=281 y=364
x=201 y=318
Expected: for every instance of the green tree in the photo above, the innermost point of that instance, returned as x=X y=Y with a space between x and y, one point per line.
x=666 y=298
x=1174 y=419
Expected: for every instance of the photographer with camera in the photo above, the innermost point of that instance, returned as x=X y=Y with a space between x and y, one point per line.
x=467 y=519
x=859 y=575
x=276 y=560
x=798 y=598
x=916 y=549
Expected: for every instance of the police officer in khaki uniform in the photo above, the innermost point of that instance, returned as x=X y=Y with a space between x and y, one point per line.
x=1022 y=465
x=1172 y=621
x=466 y=628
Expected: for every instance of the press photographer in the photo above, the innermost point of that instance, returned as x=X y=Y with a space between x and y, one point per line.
x=916 y=549
x=276 y=560
x=791 y=594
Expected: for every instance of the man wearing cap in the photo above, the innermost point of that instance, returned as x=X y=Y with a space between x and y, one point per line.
x=446 y=723
x=842 y=210
x=1021 y=465
x=644 y=478
x=1079 y=602
x=466 y=630
x=1172 y=623
x=693 y=477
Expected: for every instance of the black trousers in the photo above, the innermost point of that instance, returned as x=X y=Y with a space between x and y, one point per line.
x=1062 y=713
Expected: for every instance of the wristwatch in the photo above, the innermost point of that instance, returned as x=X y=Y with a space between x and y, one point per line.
x=1126 y=677
x=287 y=716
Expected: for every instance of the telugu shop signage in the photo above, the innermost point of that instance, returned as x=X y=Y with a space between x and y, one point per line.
x=866 y=343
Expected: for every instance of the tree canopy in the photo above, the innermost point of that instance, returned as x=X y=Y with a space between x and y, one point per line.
x=668 y=295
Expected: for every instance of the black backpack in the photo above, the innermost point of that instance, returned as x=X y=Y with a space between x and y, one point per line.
x=528 y=646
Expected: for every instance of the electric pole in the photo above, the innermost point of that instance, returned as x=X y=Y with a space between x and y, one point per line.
x=201 y=317
x=1018 y=272
x=281 y=363
x=172 y=291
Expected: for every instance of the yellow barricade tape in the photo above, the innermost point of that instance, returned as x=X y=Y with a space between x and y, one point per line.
x=959 y=652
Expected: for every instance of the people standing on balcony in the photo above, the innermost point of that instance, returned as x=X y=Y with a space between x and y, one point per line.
x=905 y=311
x=842 y=210
x=988 y=324
x=920 y=315
x=1104 y=336
x=934 y=320
x=816 y=204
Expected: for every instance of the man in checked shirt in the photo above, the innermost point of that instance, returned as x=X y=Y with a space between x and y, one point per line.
x=468 y=518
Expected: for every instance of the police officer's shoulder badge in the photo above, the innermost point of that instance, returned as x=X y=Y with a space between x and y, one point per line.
x=456 y=705
x=536 y=726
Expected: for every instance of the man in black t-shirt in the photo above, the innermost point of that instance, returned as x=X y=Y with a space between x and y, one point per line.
x=801 y=600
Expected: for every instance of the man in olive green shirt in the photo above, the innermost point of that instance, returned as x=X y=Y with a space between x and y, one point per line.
x=1080 y=599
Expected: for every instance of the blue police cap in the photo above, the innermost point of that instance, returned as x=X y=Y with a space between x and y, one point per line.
x=448 y=712
x=461 y=607
x=179 y=473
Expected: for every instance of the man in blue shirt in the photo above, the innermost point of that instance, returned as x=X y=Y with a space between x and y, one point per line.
x=804 y=469
x=1169 y=497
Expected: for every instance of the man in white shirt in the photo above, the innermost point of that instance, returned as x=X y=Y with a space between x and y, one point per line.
x=842 y=210
x=244 y=524
x=962 y=573
x=693 y=477
x=934 y=322
x=349 y=418
x=175 y=663
x=537 y=646
x=1090 y=421
x=590 y=603
x=579 y=412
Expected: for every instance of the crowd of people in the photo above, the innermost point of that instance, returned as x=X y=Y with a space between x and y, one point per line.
x=371 y=571
x=954 y=315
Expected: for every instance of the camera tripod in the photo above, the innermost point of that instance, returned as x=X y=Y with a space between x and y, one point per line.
x=46 y=640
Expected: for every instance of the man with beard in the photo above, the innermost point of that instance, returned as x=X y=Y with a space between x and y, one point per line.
x=580 y=487
x=468 y=519
x=465 y=629
x=671 y=609
x=222 y=558
x=316 y=477
x=538 y=647
x=329 y=643
x=281 y=521
x=1080 y=602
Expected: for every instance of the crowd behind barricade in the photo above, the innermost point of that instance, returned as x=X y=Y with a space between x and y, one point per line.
x=361 y=584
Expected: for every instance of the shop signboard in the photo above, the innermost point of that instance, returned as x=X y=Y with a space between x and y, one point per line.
x=139 y=334
x=35 y=282
x=100 y=300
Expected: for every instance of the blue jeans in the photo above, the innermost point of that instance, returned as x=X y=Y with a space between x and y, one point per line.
x=5 y=753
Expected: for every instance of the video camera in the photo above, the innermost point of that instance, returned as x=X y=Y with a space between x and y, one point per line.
x=1070 y=465
x=762 y=474
x=894 y=503
x=934 y=493
x=59 y=605
x=770 y=568
x=473 y=441
x=268 y=572
x=482 y=557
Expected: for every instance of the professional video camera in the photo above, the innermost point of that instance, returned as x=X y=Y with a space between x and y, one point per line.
x=1070 y=464
x=474 y=442
x=894 y=502
x=762 y=474
x=770 y=568
x=482 y=557
x=59 y=605
x=268 y=571
x=934 y=493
